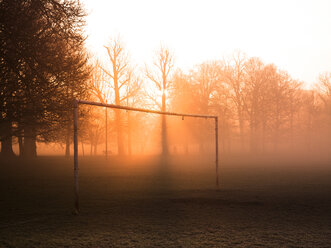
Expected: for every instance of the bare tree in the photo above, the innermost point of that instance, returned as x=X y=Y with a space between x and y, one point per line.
x=234 y=74
x=323 y=88
x=163 y=65
x=132 y=97
x=255 y=101
x=99 y=85
x=205 y=78
x=120 y=74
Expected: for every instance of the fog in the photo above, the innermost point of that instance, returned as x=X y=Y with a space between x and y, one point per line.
x=195 y=138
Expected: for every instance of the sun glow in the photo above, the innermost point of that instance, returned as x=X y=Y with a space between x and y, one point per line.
x=160 y=95
x=154 y=95
x=280 y=32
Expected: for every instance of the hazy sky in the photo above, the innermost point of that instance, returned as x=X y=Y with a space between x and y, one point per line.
x=294 y=35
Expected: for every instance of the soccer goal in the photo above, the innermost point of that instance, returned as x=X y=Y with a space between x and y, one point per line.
x=112 y=106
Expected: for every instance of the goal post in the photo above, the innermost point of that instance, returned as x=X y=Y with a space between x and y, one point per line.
x=113 y=106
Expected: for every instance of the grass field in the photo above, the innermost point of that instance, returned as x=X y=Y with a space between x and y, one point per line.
x=138 y=203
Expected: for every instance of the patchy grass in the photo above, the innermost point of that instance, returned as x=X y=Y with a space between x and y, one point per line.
x=140 y=203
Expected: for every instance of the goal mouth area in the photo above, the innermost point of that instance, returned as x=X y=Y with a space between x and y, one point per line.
x=127 y=108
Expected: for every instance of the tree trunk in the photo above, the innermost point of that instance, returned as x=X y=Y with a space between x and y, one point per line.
x=30 y=147
x=129 y=135
x=83 y=148
x=95 y=149
x=241 y=129
x=7 y=143
x=164 y=127
x=20 y=141
x=253 y=134
x=67 y=152
x=291 y=126
x=6 y=148
x=120 y=145
x=21 y=146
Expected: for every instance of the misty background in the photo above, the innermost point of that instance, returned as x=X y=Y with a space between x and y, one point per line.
x=45 y=65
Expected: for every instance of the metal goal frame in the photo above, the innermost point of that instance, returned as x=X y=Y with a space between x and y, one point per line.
x=75 y=108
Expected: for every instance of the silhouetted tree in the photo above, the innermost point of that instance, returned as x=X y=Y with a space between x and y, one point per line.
x=182 y=100
x=42 y=61
x=323 y=89
x=160 y=76
x=234 y=76
x=206 y=77
x=122 y=78
x=100 y=90
x=133 y=99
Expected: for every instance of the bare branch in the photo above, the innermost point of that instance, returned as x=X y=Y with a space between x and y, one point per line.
x=105 y=71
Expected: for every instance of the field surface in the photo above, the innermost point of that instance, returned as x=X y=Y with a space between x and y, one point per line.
x=145 y=203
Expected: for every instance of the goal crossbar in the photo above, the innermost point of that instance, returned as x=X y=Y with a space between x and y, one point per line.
x=77 y=102
x=144 y=110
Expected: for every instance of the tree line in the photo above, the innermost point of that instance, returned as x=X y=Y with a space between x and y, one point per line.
x=261 y=108
x=44 y=67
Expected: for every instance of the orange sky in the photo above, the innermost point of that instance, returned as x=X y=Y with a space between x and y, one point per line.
x=295 y=35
